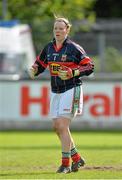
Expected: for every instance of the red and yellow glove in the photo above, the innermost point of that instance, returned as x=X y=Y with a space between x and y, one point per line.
x=66 y=73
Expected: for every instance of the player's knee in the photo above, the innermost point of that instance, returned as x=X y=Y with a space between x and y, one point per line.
x=59 y=126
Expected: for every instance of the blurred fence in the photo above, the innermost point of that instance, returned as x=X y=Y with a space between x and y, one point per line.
x=111 y=30
x=92 y=41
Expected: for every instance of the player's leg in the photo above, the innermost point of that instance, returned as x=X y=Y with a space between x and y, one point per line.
x=71 y=107
x=77 y=159
x=61 y=126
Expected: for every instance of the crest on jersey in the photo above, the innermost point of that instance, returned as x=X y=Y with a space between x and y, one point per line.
x=64 y=57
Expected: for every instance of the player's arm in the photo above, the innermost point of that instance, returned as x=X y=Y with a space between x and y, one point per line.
x=85 y=63
x=39 y=65
x=84 y=68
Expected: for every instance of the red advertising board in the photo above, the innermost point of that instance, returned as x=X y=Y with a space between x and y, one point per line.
x=30 y=100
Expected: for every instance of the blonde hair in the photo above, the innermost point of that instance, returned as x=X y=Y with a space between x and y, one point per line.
x=63 y=19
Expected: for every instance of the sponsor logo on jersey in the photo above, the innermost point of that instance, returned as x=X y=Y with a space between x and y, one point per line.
x=54 y=67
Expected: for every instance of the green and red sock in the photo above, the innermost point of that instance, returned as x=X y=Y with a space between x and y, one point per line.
x=66 y=158
x=75 y=155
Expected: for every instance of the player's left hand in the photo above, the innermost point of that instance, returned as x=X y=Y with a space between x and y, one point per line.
x=65 y=73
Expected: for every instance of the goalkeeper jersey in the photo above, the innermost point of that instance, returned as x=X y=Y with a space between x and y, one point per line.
x=71 y=55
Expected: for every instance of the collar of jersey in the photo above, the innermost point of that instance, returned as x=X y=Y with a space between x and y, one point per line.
x=65 y=41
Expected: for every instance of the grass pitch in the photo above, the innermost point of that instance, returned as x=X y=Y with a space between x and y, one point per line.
x=36 y=155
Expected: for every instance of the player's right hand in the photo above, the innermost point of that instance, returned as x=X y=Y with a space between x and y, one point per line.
x=32 y=71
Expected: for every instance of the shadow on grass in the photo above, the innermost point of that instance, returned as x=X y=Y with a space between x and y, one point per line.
x=86 y=168
x=57 y=147
x=26 y=174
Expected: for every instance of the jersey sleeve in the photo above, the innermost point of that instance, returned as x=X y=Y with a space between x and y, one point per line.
x=41 y=61
x=86 y=65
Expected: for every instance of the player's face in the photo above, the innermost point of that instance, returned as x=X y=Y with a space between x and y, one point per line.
x=60 y=31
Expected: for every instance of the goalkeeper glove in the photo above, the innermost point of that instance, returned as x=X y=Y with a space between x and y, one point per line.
x=33 y=70
x=66 y=73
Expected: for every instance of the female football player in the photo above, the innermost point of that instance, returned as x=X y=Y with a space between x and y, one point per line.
x=67 y=62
